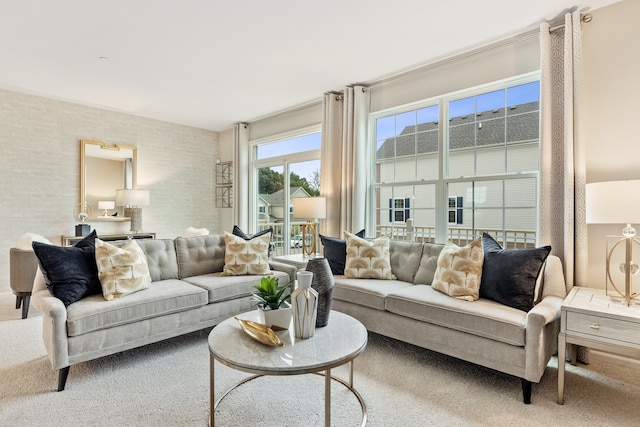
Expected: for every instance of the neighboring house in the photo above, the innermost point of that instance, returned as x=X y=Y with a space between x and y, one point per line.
x=271 y=207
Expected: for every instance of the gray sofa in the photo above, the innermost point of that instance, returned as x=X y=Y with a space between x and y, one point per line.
x=483 y=332
x=187 y=294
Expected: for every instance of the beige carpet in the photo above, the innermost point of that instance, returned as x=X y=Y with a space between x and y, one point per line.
x=167 y=384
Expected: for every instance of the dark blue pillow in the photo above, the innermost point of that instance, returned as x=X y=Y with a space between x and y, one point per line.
x=335 y=251
x=509 y=275
x=70 y=272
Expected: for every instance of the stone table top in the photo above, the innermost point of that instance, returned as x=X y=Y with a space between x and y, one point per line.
x=335 y=344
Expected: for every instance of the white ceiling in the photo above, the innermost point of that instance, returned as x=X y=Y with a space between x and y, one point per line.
x=211 y=63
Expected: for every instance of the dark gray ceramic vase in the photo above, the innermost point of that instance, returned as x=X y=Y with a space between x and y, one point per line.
x=323 y=284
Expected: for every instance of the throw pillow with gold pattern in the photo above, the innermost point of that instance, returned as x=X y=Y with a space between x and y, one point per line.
x=459 y=270
x=246 y=256
x=121 y=270
x=367 y=259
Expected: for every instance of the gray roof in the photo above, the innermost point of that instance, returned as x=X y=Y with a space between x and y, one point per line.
x=515 y=124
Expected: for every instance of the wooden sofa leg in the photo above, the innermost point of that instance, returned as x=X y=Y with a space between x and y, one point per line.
x=62 y=377
x=526 y=391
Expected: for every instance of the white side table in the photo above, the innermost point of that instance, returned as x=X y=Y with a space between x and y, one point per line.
x=297 y=260
x=590 y=318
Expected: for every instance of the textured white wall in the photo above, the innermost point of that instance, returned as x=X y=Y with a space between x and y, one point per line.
x=40 y=170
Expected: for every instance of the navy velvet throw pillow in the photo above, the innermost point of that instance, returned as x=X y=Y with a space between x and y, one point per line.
x=70 y=272
x=335 y=251
x=509 y=275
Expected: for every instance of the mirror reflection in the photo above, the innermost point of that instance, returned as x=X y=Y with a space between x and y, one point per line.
x=105 y=169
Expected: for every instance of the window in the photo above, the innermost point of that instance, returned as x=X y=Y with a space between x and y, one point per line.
x=399 y=210
x=285 y=167
x=467 y=161
x=455 y=210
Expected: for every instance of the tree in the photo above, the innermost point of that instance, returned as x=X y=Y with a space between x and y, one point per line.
x=315 y=180
x=269 y=181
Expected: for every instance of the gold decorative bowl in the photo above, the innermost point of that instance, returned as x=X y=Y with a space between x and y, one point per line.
x=260 y=332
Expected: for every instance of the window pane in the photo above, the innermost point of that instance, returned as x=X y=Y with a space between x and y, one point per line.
x=490 y=101
x=288 y=146
x=407 y=146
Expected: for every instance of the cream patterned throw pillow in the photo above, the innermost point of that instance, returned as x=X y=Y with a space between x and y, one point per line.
x=367 y=259
x=121 y=270
x=459 y=270
x=246 y=256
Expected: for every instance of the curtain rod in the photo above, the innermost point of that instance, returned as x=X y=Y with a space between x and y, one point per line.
x=586 y=18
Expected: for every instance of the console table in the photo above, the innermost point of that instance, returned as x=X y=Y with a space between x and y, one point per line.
x=72 y=240
x=592 y=319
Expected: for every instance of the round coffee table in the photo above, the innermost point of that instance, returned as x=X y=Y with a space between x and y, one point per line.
x=340 y=342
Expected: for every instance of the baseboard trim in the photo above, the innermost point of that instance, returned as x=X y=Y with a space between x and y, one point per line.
x=614 y=359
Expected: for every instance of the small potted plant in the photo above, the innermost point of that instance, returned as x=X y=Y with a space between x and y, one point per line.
x=272 y=302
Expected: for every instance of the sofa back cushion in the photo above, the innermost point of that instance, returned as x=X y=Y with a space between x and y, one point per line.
x=161 y=257
x=405 y=259
x=428 y=263
x=200 y=255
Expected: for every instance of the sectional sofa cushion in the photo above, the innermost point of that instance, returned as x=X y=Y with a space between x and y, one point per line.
x=199 y=255
x=223 y=288
x=163 y=297
x=509 y=276
x=69 y=272
x=459 y=270
x=246 y=256
x=428 y=263
x=335 y=251
x=368 y=293
x=122 y=270
x=405 y=259
x=485 y=318
x=367 y=259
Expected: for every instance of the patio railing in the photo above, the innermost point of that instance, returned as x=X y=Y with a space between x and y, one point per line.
x=509 y=239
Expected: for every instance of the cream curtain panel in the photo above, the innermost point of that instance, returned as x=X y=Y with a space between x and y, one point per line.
x=343 y=169
x=241 y=176
x=562 y=164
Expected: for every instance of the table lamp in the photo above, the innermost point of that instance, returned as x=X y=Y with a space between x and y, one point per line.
x=311 y=209
x=616 y=202
x=132 y=200
x=105 y=205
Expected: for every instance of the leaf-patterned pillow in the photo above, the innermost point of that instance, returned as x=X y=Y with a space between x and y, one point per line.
x=459 y=270
x=123 y=270
x=367 y=259
x=246 y=256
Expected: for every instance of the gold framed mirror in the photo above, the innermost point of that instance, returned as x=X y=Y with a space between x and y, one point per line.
x=103 y=170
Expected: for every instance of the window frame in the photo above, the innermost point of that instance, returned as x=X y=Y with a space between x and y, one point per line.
x=284 y=161
x=443 y=179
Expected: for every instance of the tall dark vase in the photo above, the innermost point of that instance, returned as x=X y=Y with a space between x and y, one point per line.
x=323 y=284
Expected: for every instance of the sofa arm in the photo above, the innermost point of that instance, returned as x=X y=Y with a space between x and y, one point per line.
x=542 y=327
x=281 y=266
x=54 y=327
x=545 y=312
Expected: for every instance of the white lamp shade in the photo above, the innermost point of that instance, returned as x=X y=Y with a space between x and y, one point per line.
x=309 y=207
x=127 y=197
x=106 y=204
x=613 y=202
